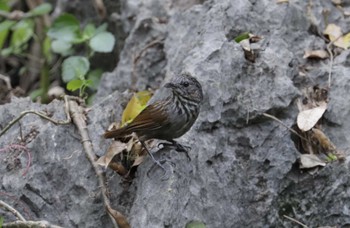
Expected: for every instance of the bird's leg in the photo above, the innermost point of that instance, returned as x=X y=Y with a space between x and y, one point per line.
x=178 y=147
x=151 y=155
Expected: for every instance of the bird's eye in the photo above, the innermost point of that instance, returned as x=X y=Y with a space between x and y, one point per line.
x=186 y=84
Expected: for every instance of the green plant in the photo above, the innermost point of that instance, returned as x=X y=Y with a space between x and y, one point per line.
x=65 y=37
x=66 y=33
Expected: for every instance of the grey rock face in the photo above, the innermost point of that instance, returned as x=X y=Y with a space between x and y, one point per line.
x=243 y=170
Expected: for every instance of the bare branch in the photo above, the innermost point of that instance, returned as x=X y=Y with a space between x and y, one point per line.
x=42 y=115
x=30 y=224
x=78 y=117
x=283 y=124
x=12 y=210
x=296 y=221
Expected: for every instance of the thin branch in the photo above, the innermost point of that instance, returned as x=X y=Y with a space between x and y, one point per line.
x=138 y=56
x=12 y=210
x=42 y=115
x=30 y=224
x=16 y=15
x=78 y=117
x=296 y=221
x=283 y=124
x=151 y=44
x=331 y=56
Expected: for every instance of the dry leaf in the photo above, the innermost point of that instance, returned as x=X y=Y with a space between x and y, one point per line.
x=136 y=104
x=323 y=140
x=335 y=34
x=118 y=217
x=254 y=38
x=115 y=148
x=315 y=54
x=308 y=118
x=308 y=161
x=282 y=1
x=138 y=161
x=333 y=31
x=245 y=44
x=336 y=2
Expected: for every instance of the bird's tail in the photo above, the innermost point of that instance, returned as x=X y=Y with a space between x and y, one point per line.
x=118 y=133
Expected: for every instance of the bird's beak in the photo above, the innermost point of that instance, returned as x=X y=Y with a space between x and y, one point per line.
x=170 y=85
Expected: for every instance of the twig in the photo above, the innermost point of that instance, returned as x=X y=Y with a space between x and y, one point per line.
x=77 y=114
x=331 y=60
x=12 y=210
x=7 y=81
x=30 y=224
x=279 y=121
x=16 y=15
x=42 y=115
x=151 y=44
x=138 y=56
x=296 y=221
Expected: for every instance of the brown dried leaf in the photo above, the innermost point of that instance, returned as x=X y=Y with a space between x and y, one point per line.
x=308 y=118
x=118 y=167
x=308 y=161
x=323 y=140
x=254 y=38
x=282 y=1
x=118 y=217
x=315 y=54
x=115 y=148
x=138 y=161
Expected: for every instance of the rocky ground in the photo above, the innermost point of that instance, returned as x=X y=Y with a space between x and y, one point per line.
x=243 y=170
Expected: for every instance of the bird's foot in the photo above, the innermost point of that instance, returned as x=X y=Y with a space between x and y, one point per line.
x=178 y=147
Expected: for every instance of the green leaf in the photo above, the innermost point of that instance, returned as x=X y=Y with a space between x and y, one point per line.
x=41 y=9
x=94 y=76
x=195 y=224
x=5 y=7
x=75 y=84
x=6 y=51
x=4 y=31
x=242 y=36
x=36 y=93
x=22 y=32
x=61 y=47
x=101 y=28
x=102 y=42
x=75 y=67
x=6 y=25
x=89 y=31
x=66 y=27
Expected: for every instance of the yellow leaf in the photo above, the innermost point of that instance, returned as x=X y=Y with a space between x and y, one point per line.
x=335 y=34
x=136 y=104
x=333 y=31
x=346 y=39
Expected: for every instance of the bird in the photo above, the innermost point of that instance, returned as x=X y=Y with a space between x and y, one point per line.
x=168 y=115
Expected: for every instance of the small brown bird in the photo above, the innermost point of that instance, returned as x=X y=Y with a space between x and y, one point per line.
x=169 y=114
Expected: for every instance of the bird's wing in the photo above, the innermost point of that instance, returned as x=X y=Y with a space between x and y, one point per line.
x=153 y=117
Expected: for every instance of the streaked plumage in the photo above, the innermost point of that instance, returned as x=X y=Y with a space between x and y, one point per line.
x=170 y=113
